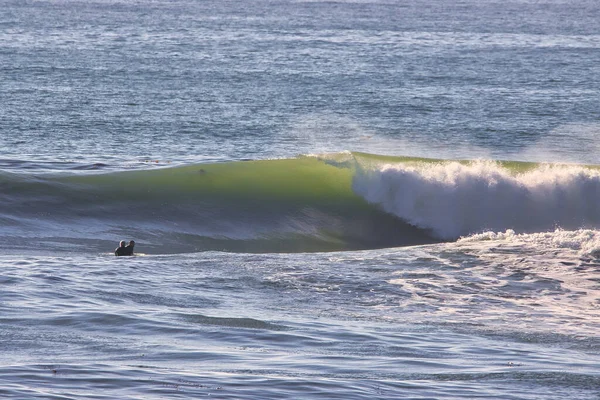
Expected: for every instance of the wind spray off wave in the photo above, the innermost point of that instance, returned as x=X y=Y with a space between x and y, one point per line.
x=453 y=199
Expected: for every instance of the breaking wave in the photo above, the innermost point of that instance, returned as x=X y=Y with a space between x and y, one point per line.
x=334 y=202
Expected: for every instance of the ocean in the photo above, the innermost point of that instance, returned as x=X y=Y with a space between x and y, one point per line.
x=352 y=199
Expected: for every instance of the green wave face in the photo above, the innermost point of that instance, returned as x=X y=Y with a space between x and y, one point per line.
x=255 y=185
x=289 y=205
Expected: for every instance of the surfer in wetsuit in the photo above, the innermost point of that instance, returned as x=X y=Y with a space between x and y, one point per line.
x=129 y=248
x=122 y=249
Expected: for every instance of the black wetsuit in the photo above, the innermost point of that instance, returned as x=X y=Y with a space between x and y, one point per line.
x=122 y=251
x=128 y=250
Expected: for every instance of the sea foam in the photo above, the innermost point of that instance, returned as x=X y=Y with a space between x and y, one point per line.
x=454 y=199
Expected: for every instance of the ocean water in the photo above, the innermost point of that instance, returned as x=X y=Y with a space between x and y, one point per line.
x=354 y=199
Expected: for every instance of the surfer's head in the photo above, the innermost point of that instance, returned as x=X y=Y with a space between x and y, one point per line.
x=131 y=243
x=122 y=243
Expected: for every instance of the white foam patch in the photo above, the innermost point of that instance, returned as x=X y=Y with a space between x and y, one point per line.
x=584 y=241
x=454 y=200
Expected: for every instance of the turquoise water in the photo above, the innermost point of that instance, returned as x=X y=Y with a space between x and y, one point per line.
x=353 y=199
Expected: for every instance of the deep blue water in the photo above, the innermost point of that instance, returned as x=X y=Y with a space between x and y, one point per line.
x=195 y=80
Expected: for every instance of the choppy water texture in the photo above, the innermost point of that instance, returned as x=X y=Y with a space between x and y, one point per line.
x=331 y=200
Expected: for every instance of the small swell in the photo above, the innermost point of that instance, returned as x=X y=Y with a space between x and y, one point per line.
x=245 y=323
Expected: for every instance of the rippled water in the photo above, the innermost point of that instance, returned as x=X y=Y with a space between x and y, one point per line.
x=99 y=100
x=118 y=82
x=495 y=319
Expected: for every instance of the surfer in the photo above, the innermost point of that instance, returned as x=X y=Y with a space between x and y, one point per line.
x=121 y=250
x=129 y=248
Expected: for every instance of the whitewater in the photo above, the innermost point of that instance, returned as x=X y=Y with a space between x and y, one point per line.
x=330 y=200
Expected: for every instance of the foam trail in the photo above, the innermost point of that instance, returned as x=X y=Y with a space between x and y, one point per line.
x=453 y=199
x=585 y=241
